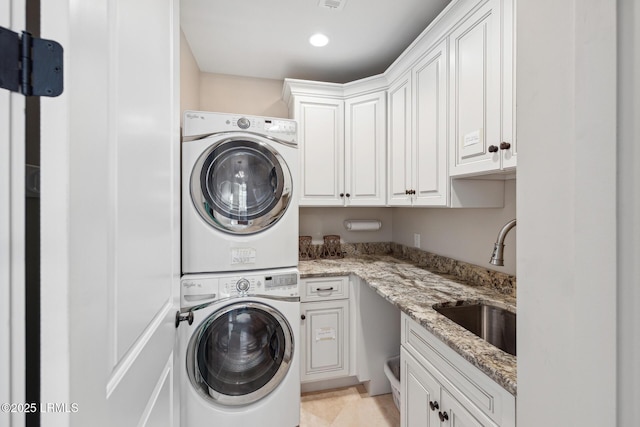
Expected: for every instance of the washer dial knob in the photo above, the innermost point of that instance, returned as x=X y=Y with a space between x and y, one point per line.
x=244 y=123
x=243 y=285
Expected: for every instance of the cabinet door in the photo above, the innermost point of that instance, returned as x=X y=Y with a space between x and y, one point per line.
x=365 y=147
x=462 y=416
x=419 y=391
x=475 y=91
x=320 y=131
x=399 y=142
x=429 y=82
x=509 y=156
x=325 y=338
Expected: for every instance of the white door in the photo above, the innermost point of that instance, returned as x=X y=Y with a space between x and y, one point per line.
x=12 y=16
x=110 y=214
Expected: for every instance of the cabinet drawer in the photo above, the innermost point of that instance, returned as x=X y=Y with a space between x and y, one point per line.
x=324 y=288
x=473 y=385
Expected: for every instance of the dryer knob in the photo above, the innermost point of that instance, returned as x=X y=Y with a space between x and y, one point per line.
x=243 y=285
x=244 y=123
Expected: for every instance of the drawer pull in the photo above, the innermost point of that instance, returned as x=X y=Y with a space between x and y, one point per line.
x=434 y=405
x=443 y=416
x=324 y=289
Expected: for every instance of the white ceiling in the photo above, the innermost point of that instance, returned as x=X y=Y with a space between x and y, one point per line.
x=269 y=38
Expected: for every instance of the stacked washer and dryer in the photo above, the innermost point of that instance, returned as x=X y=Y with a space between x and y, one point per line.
x=238 y=352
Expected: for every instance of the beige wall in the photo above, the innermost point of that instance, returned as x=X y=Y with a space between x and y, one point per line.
x=242 y=95
x=189 y=78
x=464 y=234
x=318 y=222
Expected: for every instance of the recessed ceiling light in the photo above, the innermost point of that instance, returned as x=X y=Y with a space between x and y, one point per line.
x=318 y=40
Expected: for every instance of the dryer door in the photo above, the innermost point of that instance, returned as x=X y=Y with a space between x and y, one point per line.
x=240 y=353
x=241 y=185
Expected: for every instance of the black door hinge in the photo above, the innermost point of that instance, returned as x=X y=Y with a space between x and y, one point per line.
x=30 y=65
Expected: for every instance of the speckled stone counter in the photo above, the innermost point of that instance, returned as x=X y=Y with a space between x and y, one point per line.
x=414 y=291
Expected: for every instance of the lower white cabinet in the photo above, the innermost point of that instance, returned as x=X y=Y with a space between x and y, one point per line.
x=325 y=328
x=428 y=403
x=440 y=388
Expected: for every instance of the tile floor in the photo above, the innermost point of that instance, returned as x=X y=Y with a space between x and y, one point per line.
x=348 y=407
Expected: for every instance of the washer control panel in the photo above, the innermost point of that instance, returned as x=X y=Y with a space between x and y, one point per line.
x=198 y=289
x=281 y=285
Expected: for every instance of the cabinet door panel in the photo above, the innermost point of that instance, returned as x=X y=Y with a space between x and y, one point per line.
x=475 y=76
x=325 y=339
x=399 y=161
x=509 y=156
x=461 y=416
x=418 y=390
x=365 y=142
x=430 y=132
x=321 y=151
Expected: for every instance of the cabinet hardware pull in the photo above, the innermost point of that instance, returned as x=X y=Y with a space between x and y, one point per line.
x=443 y=416
x=348 y=195
x=413 y=191
x=434 y=405
x=324 y=289
x=406 y=191
x=493 y=149
x=302 y=316
x=505 y=145
x=341 y=194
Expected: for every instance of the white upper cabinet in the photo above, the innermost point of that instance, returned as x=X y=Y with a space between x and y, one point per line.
x=365 y=148
x=342 y=143
x=509 y=155
x=400 y=164
x=321 y=148
x=449 y=114
x=418 y=133
x=481 y=91
x=429 y=154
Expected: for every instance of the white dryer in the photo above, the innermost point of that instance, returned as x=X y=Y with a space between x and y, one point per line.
x=239 y=201
x=238 y=355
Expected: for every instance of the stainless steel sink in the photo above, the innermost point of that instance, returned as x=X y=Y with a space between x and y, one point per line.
x=491 y=323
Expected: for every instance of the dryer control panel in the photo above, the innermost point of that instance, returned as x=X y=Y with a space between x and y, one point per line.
x=204 y=123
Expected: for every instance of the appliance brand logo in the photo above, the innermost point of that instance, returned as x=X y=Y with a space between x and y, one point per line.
x=189 y=285
x=195 y=116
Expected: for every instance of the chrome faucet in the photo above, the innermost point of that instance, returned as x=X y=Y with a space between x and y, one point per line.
x=498 y=247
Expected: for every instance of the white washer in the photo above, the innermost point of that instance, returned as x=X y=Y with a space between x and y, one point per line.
x=239 y=206
x=239 y=358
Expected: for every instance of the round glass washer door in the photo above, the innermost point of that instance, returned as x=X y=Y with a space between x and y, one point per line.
x=241 y=185
x=240 y=353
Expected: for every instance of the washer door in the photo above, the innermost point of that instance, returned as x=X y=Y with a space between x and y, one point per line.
x=240 y=353
x=241 y=185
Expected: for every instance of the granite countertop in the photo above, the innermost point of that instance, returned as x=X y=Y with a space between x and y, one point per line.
x=414 y=290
